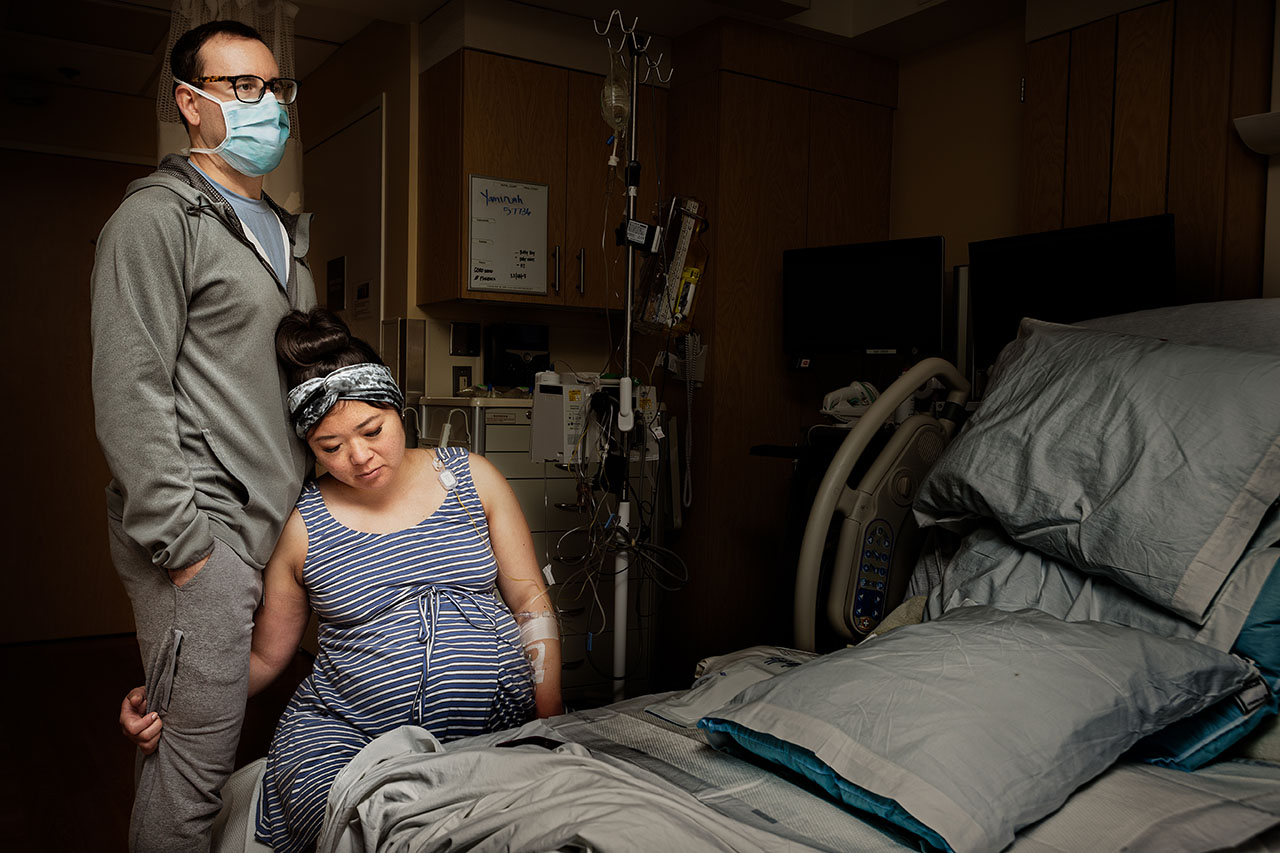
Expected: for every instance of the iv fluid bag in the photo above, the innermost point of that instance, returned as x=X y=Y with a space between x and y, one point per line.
x=615 y=97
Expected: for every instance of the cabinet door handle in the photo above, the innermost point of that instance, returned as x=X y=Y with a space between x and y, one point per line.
x=555 y=284
x=582 y=272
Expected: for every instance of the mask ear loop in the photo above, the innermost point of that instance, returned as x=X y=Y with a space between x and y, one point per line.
x=449 y=481
x=201 y=92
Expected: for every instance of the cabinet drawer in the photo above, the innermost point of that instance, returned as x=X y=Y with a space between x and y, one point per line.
x=516 y=465
x=545 y=515
x=508 y=437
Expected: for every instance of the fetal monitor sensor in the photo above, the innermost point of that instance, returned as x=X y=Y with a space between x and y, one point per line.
x=446 y=477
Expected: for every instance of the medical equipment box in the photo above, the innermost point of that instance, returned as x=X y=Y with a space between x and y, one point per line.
x=559 y=419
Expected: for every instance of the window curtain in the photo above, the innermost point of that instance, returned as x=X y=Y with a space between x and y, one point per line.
x=274 y=20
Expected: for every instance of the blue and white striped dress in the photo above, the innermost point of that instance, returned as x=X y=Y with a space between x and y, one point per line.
x=411 y=632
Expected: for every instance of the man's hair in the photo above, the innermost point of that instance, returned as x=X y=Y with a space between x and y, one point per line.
x=184 y=59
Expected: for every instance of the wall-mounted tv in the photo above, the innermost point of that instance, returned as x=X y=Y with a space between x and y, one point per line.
x=1066 y=276
x=862 y=299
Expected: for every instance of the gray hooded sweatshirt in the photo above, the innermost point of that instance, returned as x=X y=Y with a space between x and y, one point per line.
x=189 y=400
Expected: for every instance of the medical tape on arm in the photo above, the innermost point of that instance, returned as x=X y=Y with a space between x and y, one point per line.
x=536 y=629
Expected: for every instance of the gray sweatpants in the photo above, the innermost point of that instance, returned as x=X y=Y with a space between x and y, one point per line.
x=194 y=641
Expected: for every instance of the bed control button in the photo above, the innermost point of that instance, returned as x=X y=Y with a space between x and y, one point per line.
x=903 y=486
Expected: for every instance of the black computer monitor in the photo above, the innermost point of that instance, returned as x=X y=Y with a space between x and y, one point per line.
x=1066 y=276
x=881 y=299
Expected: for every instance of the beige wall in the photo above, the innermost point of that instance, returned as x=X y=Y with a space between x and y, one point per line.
x=380 y=59
x=69 y=157
x=956 y=140
x=83 y=123
x=58 y=567
x=345 y=190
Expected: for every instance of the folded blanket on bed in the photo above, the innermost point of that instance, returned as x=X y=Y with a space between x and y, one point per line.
x=536 y=794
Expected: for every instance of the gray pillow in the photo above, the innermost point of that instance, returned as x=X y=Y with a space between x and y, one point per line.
x=1145 y=461
x=1239 y=324
x=967 y=728
x=988 y=568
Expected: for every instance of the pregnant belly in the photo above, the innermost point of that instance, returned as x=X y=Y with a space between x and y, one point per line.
x=381 y=679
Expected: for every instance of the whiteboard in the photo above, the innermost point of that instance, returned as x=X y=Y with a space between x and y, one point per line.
x=508 y=232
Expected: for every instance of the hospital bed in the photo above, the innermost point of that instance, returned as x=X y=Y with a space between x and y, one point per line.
x=1085 y=656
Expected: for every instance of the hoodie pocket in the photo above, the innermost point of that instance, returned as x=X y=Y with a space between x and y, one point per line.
x=216 y=479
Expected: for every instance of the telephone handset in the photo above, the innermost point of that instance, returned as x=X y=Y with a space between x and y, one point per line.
x=671 y=277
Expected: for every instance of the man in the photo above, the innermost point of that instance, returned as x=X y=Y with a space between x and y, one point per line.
x=192 y=274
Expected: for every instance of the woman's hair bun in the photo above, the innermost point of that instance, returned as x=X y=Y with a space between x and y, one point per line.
x=316 y=343
x=305 y=338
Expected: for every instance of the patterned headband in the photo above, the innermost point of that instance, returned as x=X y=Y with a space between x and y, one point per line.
x=310 y=401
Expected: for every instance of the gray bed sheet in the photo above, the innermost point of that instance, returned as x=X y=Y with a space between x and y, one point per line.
x=677 y=792
x=732 y=803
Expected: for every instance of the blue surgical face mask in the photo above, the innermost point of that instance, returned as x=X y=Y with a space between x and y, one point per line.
x=256 y=133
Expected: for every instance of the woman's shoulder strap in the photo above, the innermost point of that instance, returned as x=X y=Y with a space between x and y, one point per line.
x=452 y=455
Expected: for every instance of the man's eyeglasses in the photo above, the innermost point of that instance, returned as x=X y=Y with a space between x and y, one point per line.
x=249 y=88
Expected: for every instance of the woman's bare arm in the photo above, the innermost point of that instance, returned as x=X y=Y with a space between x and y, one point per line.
x=519 y=578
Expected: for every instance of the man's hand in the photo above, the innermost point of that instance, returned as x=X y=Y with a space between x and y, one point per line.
x=139 y=726
x=181 y=576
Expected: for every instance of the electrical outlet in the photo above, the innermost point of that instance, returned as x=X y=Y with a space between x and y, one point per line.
x=461 y=378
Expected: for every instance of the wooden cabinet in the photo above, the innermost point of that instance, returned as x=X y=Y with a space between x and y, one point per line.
x=500 y=117
x=486 y=115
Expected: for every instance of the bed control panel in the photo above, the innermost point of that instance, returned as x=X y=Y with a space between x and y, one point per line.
x=879 y=538
x=873 y=576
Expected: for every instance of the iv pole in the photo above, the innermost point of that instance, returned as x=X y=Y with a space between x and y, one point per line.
x=626 y=417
